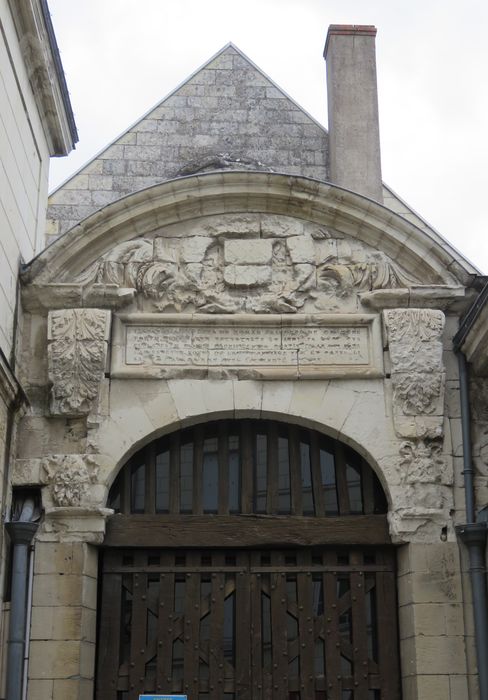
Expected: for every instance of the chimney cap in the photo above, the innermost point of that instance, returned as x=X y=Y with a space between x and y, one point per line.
x=349 y=30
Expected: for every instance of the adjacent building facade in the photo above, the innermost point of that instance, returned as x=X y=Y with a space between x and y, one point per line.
x=36 y=122
x=246 y=411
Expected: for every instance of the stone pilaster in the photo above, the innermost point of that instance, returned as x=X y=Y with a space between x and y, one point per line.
x=432 y=626
x=63 y=630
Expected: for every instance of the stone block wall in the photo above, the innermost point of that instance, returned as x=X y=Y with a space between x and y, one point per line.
x=228 y=115
x=63 y=625
x=432 y=622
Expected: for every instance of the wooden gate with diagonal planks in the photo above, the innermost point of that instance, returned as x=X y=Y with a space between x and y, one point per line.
x=248 y=560
x=304 y=624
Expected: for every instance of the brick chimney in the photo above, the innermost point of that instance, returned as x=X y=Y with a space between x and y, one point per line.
x=354 y=137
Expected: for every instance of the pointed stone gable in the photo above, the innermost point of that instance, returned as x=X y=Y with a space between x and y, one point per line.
x=228 y=115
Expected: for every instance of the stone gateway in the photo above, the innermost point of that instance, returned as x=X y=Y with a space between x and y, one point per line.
x=238 y=464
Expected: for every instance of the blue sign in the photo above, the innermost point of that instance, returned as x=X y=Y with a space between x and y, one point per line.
x=163 y=697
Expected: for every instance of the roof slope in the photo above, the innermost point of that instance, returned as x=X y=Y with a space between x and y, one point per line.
x=227 y=115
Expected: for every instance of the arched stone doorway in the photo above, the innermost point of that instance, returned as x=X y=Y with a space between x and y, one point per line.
x=248 y=559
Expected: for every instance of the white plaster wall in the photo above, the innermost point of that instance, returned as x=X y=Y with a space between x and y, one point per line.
x=24 y=164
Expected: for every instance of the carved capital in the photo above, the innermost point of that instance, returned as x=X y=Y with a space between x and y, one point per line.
x=420 y=524
x=77 y=354
x=74 y=524
x=70 y=478
x=414 y=338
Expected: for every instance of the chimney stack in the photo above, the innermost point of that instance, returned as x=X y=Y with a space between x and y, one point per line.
x=352 y=94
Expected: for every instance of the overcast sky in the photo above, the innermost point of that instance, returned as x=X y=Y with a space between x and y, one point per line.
x=121 y=57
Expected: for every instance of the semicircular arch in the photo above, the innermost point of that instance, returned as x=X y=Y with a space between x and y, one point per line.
x=188 y=198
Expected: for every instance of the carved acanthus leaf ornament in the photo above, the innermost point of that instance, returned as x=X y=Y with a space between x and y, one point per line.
x=77 y=352
x=417 y=371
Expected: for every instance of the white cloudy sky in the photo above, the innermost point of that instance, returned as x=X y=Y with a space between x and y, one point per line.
x=121 y=57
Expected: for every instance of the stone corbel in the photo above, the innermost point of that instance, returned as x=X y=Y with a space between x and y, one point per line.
x=77 y=355
x=73 y=500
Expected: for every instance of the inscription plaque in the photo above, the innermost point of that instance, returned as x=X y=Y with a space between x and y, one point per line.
x=270 y=346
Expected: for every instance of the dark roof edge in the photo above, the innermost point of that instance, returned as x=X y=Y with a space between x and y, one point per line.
x=471 y=316
x=59 y=71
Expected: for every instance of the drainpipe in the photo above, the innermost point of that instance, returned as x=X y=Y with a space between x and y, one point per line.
x=28 y=621
x=21 y=532
x=473 y=535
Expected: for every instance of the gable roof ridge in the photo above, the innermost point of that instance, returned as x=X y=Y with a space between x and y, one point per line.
x=172 y=92
x=444 y=242
x=274 y=84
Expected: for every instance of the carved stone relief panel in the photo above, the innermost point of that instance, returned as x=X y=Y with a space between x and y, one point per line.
x=253 y=263
x=424 y=494
x=77 y=354
x=417 y=371
x=69 y=478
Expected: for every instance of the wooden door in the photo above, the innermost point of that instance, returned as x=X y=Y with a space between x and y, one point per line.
x=296 y=624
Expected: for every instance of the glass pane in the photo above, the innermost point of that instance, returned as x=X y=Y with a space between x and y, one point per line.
x=203 y=672
x=284 y=496
x=126 y=622
x=177 y=666
x=229 y=629
x=291 y=627
x=319 y=661
x=347 y=695
x=346 y=667
x=342 y=586
x=152 y=597
x=353 y=478
x=371 y=629
x=266 y=632
x=114 y=497
x=205 y=591
x=261 y=473
x=318 y=596
x=210 y=475
x=162 y=482
x=138 y=486
x=380 y=502
x=291 y=588
x=179 y=596
x=186 y=478
x=234 y=475
x=327 y=470
x=306 y=467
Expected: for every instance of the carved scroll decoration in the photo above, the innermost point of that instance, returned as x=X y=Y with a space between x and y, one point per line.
x=77 y=352
x=70 y=478
x=282 y=264
x=417 y=371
